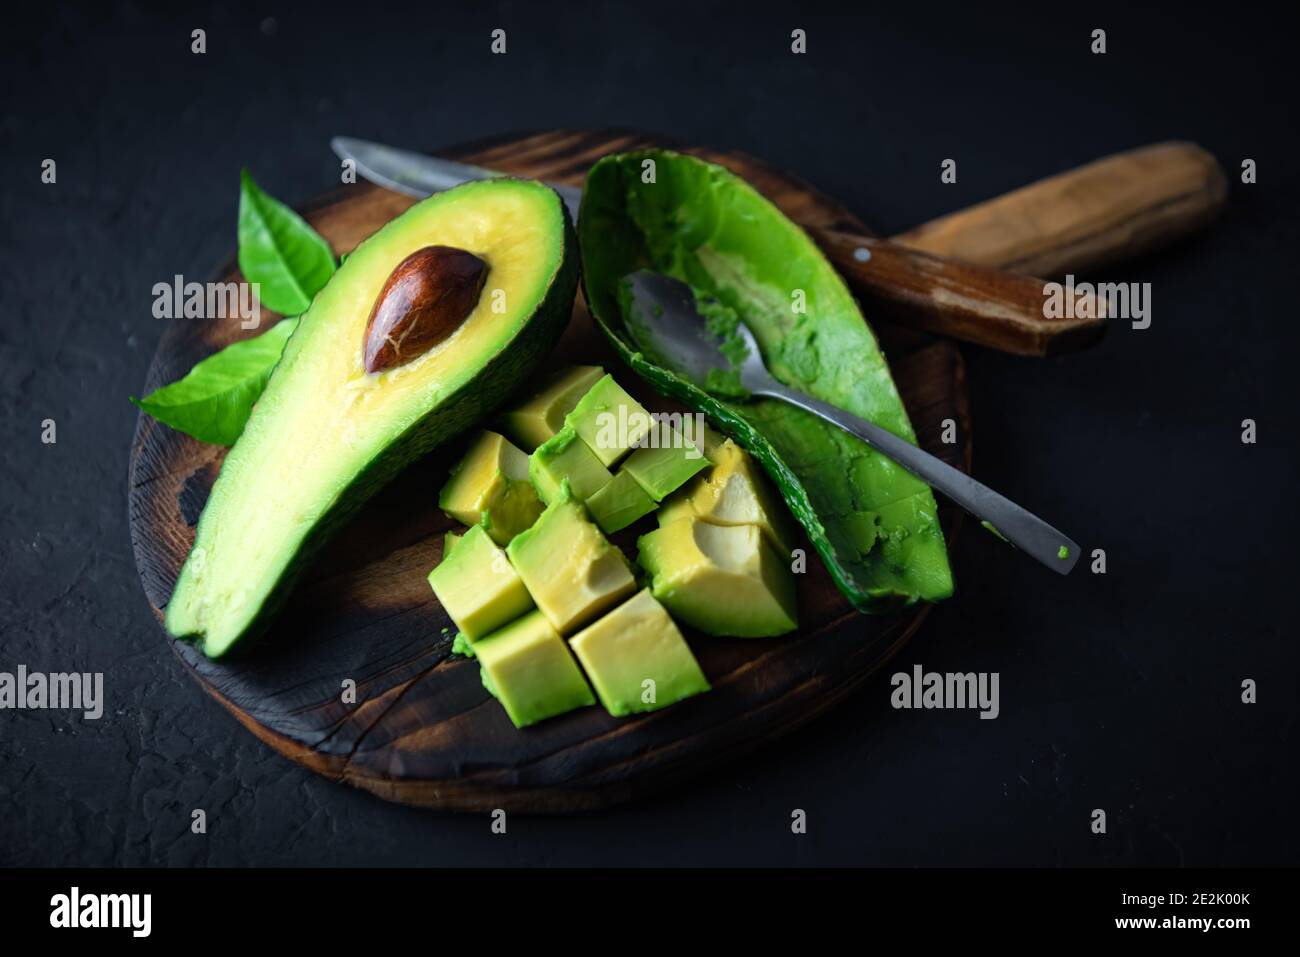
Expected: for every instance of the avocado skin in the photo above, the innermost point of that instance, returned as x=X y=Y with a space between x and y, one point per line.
x=460 y=411
x=612 y=246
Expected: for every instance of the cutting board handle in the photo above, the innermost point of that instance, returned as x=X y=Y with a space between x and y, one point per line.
x=1112 y=209
x=992 y=307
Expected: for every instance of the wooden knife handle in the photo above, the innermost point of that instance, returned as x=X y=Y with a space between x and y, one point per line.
x=1114 y=208
x=992 y=307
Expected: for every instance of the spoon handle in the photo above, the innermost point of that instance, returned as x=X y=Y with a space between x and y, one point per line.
x=1026 y=531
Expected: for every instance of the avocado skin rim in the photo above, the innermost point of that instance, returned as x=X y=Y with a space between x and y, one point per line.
x=600 y=222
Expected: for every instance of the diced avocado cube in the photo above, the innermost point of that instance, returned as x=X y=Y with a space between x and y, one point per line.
x=543 y=415
x=733 y=492
x=609 y=420
x=478 y=586
x=721 y=579
x=664 y=469
x=678 y=506
x=449 y=540
x=565 y=456
x=571 y=570
x=619 y=503
x=527 y=667
x=712 y=442
x=490 y=487
x=636 y=658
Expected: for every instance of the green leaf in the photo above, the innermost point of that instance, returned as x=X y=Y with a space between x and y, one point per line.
x=278 y=250
x=213 y=402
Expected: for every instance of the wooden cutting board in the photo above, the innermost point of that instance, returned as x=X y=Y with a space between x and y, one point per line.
x=422 y=729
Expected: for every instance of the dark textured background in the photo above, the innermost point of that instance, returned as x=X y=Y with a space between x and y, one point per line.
x=1118 y=691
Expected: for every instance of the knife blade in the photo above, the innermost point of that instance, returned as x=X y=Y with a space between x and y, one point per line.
x=986 y=306
x=420 y=175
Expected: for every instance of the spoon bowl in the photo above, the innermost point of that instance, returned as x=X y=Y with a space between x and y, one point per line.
x=666 y=320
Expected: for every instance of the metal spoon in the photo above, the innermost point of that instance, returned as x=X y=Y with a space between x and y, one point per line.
x=667 y=316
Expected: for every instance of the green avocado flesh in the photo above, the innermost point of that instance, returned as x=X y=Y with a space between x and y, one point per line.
x=663 y=470
x=721 y=579
x=609 y=421
x=478 y=587
x=490 y=487
x=875 y=525
x=566 y=458
x=637 y=659
x=543 y=415
x=529 y=669
x=733 y=492
x=326 y=434
x=619 y=503
x=570 y=569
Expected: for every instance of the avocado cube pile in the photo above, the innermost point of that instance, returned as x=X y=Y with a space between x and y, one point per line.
x=550 y=607
x=604 y=427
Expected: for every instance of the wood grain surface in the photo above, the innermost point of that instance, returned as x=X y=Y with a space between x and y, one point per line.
x=423 y=730
x=1112 y=209
x=950 y=297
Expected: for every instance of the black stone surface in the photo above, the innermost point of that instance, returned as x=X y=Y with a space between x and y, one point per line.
x=1119 y=692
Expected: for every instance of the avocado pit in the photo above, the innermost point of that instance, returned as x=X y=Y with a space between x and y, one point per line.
x=425 y=299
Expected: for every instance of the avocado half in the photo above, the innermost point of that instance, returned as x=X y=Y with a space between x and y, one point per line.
x=326 y=434
x=874 y=524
